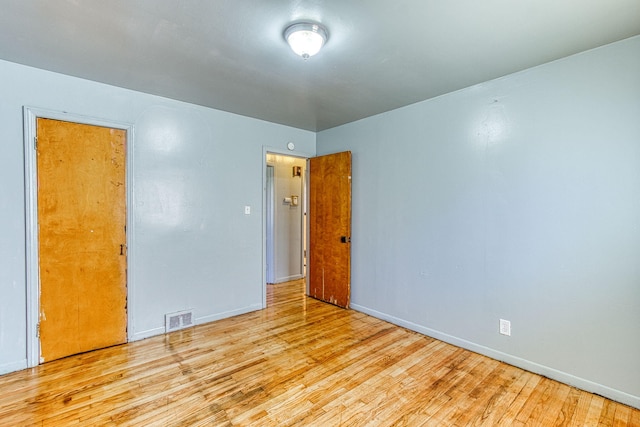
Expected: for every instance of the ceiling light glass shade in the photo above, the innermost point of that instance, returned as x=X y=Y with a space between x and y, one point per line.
x=306 y=38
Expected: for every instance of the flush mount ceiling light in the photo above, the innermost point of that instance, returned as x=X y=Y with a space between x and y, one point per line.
x=306 y=38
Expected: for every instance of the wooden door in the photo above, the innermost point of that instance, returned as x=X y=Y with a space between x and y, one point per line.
x=81 y=237
x=330 y=228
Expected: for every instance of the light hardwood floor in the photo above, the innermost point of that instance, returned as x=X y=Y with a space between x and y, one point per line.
x=298 y=362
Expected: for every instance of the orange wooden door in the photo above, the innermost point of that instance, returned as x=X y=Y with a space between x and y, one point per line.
x=330 y=228
x=81 y=233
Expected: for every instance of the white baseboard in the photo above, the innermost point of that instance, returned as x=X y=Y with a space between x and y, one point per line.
x=137 y=336
x=581 y=383
x=288 y=278
x=13 y=366
x=225 y=314
x=198 y=321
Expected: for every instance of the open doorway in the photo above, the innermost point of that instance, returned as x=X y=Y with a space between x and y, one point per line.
x=285 y=218
x=322 y=248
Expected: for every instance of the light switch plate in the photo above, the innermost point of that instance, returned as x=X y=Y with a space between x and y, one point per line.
x=505 y=327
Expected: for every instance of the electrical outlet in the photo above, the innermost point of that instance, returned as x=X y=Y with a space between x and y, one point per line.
x=247 y=210
x=505 y=327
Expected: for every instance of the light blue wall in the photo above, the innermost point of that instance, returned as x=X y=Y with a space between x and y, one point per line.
x=518 y=199
x=194 y=171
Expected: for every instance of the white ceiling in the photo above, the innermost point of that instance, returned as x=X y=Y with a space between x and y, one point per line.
x=230 y=54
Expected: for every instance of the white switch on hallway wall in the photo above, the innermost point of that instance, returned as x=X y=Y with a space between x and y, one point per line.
x=247 y=210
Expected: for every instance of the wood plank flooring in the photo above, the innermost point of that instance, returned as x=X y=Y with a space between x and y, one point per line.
x=298 y=362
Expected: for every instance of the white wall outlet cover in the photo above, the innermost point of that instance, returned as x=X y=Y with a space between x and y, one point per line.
x=505 y=327
x=247 y=210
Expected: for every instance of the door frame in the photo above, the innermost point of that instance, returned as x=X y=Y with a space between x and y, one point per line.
x=270 y=224
x=31 y=115
x=274 y=150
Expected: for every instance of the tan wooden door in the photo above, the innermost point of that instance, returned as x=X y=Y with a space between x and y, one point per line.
x=81 y=234
x=330 y=228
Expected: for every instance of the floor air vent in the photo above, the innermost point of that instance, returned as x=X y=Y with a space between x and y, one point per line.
x=178 y=320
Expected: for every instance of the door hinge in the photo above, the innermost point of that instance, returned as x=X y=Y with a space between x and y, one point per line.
x=35 y=142
x=38 y=330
